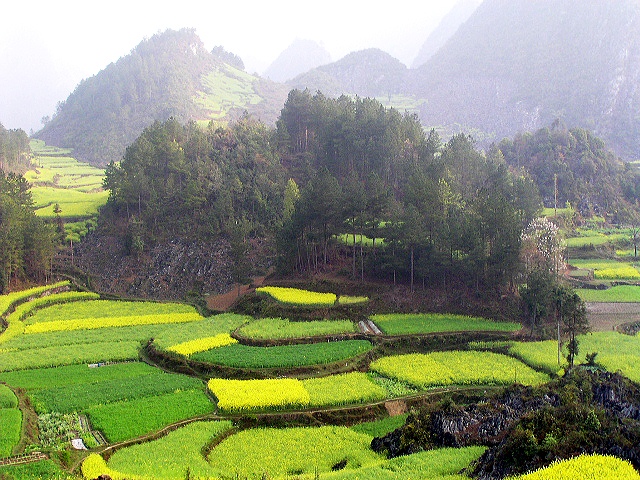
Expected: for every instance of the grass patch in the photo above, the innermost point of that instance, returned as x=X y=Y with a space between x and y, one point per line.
x=171 y=455
x=278 y=328
x=345 y=389
x=10 y=428
x=410 y=323
x=124 y=420
x=616 y=294
x=243 y=356
x=291 y=451
x=457 y=368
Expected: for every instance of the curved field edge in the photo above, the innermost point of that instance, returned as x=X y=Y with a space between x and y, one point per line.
x=277 y=452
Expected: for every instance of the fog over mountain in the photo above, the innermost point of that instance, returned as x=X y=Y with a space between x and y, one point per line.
x=47 y=48
x=459 y=14
x=299 y=57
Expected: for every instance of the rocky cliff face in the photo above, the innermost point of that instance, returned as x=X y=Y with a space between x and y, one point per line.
x=170 y=270
x=526 y=428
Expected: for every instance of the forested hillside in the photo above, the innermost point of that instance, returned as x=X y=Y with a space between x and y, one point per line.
x=442 y=212
x=575 y=166
x=367 y=73
x=168 y=75
x=14 y=150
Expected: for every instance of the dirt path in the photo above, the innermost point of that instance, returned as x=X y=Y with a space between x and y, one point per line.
x=222 y=302
x=608 y=316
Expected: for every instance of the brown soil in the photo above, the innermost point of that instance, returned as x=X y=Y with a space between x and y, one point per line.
x=224 y=301
x=396 y=407
x=609 y=316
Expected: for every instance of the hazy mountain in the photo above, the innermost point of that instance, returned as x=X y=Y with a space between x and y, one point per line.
x=171 y=74
x=301 y=56
x=370 y=72
x=459 y=14
x=519 y=64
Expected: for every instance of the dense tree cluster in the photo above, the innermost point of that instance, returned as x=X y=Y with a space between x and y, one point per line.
x=14 y=150
x=186 y=180
x=28 y=243
x=433 y=211
x=443 y=210
x=572 y=165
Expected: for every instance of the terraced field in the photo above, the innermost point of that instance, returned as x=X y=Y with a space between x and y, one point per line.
x=75 y=355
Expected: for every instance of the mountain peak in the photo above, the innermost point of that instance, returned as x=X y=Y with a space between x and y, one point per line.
x=302 y=55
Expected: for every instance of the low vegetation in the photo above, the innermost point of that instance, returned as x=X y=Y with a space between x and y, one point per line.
x=411 y=324
x=279 y=328
x=296 y=296
x=243 y=356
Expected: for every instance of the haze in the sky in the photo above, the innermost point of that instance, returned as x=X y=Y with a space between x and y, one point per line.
x=47 y=47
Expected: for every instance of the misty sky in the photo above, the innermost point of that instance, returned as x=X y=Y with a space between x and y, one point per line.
x=47 y=47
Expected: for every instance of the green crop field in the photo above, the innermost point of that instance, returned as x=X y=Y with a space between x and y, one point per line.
x=74 y=375
x=129 y=419
x=108 y=308
x=291 y=393
x=416 y=323
x=345 y=389
x=129 y=400
x=600 y=467
x=291 y=451
x=169 y=456
x=616 y=351
x=63 y=355
x=203 y=344
x=452 y=368
x=243 y=356
x=615 y=294
x=380 y=428
x=608 y=269
x=8 y=399
x=226 y=88
x=10 y=427
x=437 y=464
x=277 y=328
x=44 y=469
x=173 y=335
x=76 y=398
x=76 y=187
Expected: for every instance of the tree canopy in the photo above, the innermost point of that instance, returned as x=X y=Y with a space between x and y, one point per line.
x=28 y=243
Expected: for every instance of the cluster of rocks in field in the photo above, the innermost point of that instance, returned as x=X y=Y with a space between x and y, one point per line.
x=526 y=428
x=170 y=270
